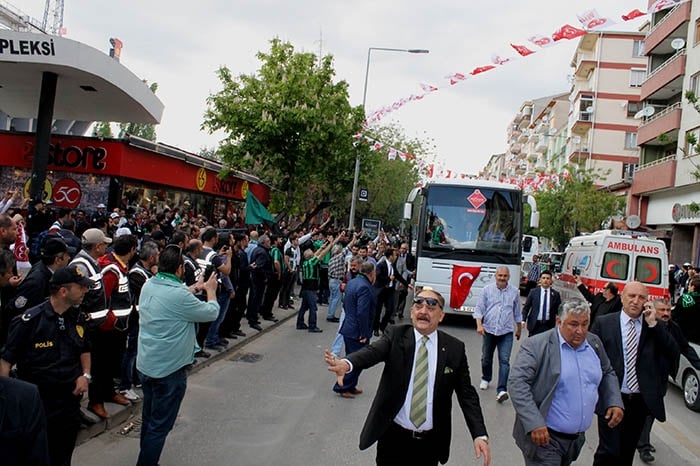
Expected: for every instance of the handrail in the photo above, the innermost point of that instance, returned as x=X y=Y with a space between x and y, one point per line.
x=661 y=161
x=666 y=16
x=665 y=64
x=664 y=112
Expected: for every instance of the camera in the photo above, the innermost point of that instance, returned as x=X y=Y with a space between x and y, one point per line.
x=208 y=270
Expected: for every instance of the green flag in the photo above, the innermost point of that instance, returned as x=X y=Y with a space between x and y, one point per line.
x=255 y=211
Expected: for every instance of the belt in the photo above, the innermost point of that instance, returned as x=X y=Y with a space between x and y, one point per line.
x=564 y=435
x=631 y=396
x=414 y=434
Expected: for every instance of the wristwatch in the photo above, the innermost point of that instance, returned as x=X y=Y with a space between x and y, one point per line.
x=87 y=376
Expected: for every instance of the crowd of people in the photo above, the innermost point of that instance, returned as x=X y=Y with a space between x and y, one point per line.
x=102 y=303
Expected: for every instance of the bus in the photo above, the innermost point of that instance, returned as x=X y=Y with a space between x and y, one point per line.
x=464 y=230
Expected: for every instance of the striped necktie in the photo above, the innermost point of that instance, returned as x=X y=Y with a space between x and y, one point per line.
x=631 y=357
x=419 y=400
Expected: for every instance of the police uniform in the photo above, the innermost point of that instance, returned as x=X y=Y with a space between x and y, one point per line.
x=46 y=348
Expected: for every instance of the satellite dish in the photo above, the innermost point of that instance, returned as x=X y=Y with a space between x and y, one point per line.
x=589 y=109
x=678 y=43
x=633 y=221
x=645 y=112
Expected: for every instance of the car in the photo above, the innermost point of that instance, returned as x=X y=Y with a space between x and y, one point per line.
x=553 y=260
x=524 y=270
x=687 y=380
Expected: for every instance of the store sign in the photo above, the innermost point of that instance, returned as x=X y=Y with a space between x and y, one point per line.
x=224 y=186
x=27 y=47
x=684 y=211
x=88 y=157
x=48 y=190
x=201 y=179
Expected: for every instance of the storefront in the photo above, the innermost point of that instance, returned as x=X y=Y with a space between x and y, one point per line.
x=675 y=218
x=131 y=174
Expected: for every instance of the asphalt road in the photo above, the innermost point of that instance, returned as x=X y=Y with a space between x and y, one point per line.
x=271 y=403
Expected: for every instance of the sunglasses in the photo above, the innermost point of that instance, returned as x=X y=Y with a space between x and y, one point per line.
x=432 y=302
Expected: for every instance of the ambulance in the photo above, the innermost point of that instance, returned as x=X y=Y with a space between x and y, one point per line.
x=617 y=256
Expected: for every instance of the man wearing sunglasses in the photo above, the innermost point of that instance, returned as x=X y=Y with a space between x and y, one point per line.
x=411 y=415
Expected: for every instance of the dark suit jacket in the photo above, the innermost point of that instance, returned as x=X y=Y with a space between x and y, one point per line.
x=359 y=303
x=531 y=310
x=22 y=425
x=396 y=349
x=381 y=279
x=656 y=356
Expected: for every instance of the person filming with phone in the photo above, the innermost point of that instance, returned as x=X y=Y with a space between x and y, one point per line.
x=605 y=302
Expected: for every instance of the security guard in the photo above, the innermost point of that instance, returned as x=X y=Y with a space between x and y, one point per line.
x=34 y=288
x=49 y=345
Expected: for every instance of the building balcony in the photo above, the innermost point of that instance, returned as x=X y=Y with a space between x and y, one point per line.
x=584 y=68
x=579 y=156
x=542 y=144
x=655 y=176
x=523 y=137
x=662 y=31
x=582 y=124
x=665 y=81
x=664 y=122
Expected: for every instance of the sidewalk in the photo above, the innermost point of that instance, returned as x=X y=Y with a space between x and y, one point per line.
x=124 y=415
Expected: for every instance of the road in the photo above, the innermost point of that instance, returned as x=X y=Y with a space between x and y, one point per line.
x=271 y=403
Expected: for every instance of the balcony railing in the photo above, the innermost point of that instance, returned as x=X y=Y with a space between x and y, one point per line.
x=665 y=111
x=666 y=16
x=667 y=63
x=669 y=158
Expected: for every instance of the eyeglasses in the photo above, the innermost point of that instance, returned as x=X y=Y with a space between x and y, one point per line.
x=61 y=324
x=420 y=301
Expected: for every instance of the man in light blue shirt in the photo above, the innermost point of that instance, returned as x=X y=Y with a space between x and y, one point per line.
x=497 y=313
x=168 y=311
x=560 y=377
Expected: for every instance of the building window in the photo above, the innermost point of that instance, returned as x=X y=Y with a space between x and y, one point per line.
x=633 y=108
x=628 y=170
x=637 y=77
x=631 y=141
x=638 y=48
x=690 y=149
x=695 y=84
x=697 y=32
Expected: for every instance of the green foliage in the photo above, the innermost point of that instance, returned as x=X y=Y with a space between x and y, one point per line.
x=102 y=129
x=290 y=125
x=690 y=137
x=209 y=153
x=574 y=206
x=144 y=131
x=390 y=181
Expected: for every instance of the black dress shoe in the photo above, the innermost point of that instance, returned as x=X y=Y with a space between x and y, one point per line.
x=256 y=327
x=271 y=318
x=332 y=319
x=238 y=332
x=202 y=354
x=646 y=456
x=315 y=330
x=223 y=341
x=232 y=336
x=302 y=327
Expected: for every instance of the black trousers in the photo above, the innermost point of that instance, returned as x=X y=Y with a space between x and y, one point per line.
x=397 y=446
x=257 y=292
x=272 y=290
x=62 y=421
x=616 y=447
x=286 y=289
x=107 y=352
x=644 y=443
x=385 y=299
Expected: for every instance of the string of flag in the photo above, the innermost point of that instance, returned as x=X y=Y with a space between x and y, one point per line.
x=590 y=21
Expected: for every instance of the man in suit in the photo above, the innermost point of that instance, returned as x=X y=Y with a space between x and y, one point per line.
x=359 y=304
x=553 y=399
x=642 y=352
x=384 y=286
x=423 y=367
x=541 y=306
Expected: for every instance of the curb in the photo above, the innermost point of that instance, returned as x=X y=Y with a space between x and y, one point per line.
x=119 y=414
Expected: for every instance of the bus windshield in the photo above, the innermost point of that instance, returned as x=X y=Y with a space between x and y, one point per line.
x=479 y=220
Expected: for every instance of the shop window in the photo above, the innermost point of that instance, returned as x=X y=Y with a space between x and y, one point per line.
x=615 y=266
x=648 y=270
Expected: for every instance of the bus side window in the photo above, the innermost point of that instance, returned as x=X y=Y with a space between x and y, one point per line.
x=615 y=265
x=527 y=244
x=647 y=270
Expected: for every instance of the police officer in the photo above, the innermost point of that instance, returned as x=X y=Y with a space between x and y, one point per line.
x=35 y=287
x=49 y=345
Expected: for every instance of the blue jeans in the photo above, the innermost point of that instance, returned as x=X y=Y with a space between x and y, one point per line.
x=336 y=295
x=504 y=343
x=161 y=403
x=129 y=375
x=337 y=345
x=213 y=334
x=308 y=302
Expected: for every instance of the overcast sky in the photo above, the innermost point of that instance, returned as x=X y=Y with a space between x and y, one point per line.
x=180 y=45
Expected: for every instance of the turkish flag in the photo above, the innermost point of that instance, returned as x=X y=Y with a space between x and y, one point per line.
x=522 y=50
x=21 y=245
x=481 y=69
x=462 y=279
x=567 y=31
x=632 y=15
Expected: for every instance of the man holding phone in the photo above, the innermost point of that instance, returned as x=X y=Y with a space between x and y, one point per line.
x=641 y=351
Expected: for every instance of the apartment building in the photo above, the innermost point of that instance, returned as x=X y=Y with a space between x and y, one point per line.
x=608 y=71
x=665 y=187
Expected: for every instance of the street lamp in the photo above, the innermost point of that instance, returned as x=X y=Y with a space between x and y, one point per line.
x=356 y=180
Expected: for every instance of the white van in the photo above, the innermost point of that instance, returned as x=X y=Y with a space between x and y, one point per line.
x=617 y=256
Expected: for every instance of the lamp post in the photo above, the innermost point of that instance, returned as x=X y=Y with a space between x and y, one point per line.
x=353 y=203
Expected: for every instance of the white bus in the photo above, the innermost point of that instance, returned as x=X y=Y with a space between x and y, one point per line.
x=465 y=229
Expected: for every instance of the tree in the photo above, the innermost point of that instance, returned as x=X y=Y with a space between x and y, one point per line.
x=141 y=130
x=575 y=205
x=102 y=129
x=389 y=181
x=290 y=125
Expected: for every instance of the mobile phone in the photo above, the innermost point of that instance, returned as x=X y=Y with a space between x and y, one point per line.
x=208 y=270
x=575 y=271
